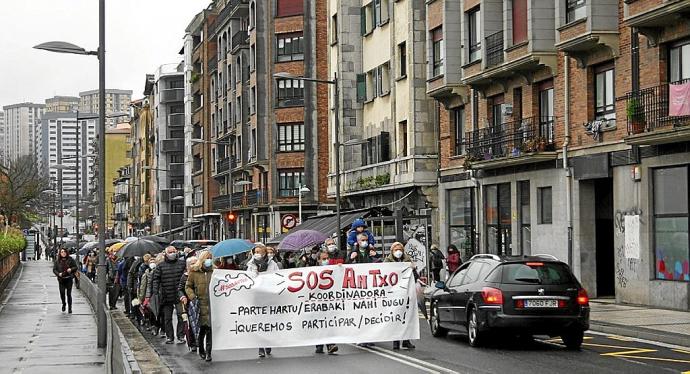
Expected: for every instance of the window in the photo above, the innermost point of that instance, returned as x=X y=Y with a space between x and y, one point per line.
x=498 y=219
x=253 y=145
x=290 y=47
x=437 y=51
x=476 y=271
x=545 y=213
x=376 y=149
x=381 y=10
x=474 y=34
x=377 y=82
x=198 y=195
x=368 y=19
x=458 y=118
x=575 y=10
x=402 y=138
x=361 y=88
x=289 y=182
x=402 y=60
x=546 y=111
x=290 y=137
x=461 y=220
x=252 y=15
x=605 y=100
x=456 y=281
x=178 y=83
x=679 y=61
x=252 y=100
x=285 y=8
x=475 y=109
x=671 y=223
x=525 y=222
x=334 y=29
x=519 y=21
x=290 y=92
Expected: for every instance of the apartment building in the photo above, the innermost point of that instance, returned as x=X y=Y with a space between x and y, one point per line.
x=21 y=130
x=388 y=151
x=120 y=201
x=59 y=104
x=116 y=102
x=2 y=138
x=267 y=130
x=61 y=141
x=563 y=131
x=168 y=128
x=142 y=183
x=200 y=187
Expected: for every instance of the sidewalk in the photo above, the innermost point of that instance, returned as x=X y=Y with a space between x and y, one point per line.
x=37 y=337
x=661 y=325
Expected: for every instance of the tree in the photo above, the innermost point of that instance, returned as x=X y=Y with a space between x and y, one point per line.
x=21 y=186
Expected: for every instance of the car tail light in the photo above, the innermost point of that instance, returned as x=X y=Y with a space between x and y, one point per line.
x=582 y=298
x=533 y=264
x=492 y=296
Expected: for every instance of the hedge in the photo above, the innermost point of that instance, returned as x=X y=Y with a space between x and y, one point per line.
x=12 y=242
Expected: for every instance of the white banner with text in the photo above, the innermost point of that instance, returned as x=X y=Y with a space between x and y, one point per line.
x=359 y=303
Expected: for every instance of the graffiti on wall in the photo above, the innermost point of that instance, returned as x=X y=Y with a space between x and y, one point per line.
x=619 y=218
x=627 y=228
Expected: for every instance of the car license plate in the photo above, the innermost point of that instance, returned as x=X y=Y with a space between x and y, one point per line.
x=541 y=303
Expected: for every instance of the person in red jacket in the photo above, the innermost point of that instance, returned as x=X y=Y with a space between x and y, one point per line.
x=453 y=261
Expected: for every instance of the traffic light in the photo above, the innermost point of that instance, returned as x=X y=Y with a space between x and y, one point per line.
x=231 y=217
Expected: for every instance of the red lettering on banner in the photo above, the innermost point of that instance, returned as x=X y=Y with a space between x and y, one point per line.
x=296 y=277
x=327 y=275
x=349 y=280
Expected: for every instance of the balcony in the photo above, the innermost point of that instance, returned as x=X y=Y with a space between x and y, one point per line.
x=176 y=120
x=176 y=170
x=239 y=40
x=167 y=192
x=519 y=142
x=171 y=220
x=240 y=200
x=172 y=145
x=222 y=166
x=212 y=64
x=394 y=174
x=233 y=9
x=119 y=198
x=651 y=120
x=494 y=49
x=169 y=95
x=594 y=28
x=650 y=17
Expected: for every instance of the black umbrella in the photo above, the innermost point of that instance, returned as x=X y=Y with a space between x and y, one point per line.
x=140 y=247
x=70 y=244
x=157 y=239
x=86 y=248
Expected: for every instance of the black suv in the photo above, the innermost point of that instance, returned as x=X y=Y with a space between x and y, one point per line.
x=530 y=295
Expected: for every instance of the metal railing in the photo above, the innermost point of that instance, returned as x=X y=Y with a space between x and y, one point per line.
x=511 y=139
x=648 y=109
x=494 y=49
x=239 y=39
x=240 y=199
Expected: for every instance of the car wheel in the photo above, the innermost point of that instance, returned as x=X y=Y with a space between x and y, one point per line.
x=573 y=339
x=475 y=336
x=435 y=323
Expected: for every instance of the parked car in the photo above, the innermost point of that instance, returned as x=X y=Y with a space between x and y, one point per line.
x=526 y=296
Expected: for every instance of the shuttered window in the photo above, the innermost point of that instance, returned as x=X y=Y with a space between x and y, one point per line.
x=519 y=21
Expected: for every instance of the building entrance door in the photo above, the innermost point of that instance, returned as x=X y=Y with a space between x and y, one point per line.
x=603 y=194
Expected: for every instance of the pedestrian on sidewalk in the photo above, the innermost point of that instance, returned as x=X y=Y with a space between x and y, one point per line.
x=454 y=260
x=260 y=264
x=325 y=260
x=148 y=317
x=437 y=259
x=91 y=262
x=398 y=255
x=64 y=269
x=112 y=280
x=196 y=288
x=133 y=289
x=123 y=274
x=184 y=299
x=166 y=278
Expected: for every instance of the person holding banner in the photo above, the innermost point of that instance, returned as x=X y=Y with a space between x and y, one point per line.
x=398 y=255
x=360 y=251
x=197 y=288
x=325 y=260
x=261 y=263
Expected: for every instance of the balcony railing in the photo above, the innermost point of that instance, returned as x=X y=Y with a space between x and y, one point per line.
x=172 y=94
x=222 y=166
x=511 y=139
x=240 y=200
x=240 y=39
x=212 y=64
x=494 y=49
x=649 y=110
x=417 y=169
x=176 y=119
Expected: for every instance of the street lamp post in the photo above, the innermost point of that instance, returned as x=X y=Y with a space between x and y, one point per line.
x=64 y=47
x=302 y=189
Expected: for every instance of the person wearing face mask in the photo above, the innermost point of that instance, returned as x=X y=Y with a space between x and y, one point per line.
x=166 y=278
x=64 y=269
x=182 y=293
x=333 y=253
x=112 y=279
x=272 y=255
x=260 y=264
x=360 y=252
x=148 y=266
x=359 y=226
x=325 y=260
x=196 y=288
x=398 y=255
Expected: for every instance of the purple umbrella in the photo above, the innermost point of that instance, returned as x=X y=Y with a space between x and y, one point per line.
x=302 y=239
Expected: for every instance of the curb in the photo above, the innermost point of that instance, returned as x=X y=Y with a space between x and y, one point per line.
x=640 y=333
x=145 y=355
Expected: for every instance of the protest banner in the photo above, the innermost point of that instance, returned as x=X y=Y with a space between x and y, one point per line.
x=357 y=303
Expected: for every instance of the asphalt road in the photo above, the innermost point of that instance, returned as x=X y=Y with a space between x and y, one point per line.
x=600 y=354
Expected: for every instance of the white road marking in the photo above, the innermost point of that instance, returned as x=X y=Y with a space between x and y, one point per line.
x=645 y=341
x=402 y=361
x=389 y=353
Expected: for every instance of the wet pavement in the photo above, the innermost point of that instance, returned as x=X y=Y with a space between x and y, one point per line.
x=36 y=336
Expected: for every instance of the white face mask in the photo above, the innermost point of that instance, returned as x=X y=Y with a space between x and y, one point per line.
x=258 y=256
x=270 y=257
x=332 y=248
x=398 y=254
x=152 y=265
x=364 y=244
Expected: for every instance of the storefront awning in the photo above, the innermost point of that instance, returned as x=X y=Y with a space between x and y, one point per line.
x=178 y=229
x=326 y=224
x=207 y=215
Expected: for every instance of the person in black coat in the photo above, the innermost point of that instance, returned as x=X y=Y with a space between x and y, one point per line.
x=166 y=279
x=64 y=269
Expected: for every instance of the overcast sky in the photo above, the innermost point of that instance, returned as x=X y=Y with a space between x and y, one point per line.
x=140 y=36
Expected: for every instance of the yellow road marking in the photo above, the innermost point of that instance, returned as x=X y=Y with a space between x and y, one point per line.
x=630 y=352
x=621 y=338
x=683 y=351
x=559 y=340
x=607 y=346
x=657 y=359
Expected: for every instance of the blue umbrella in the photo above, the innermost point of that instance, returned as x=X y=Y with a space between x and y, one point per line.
x=302 y=239
x=231 y=247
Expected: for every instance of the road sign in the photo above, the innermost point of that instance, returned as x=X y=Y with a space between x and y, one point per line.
x=288 y=221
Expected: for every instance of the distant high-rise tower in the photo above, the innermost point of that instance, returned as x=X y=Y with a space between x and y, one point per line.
x=20 y=129
x=62 y=104
x=116 y=102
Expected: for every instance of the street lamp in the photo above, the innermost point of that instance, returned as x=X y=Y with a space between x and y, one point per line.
x=64 y=47
x=336 y=135
x=302 y=189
